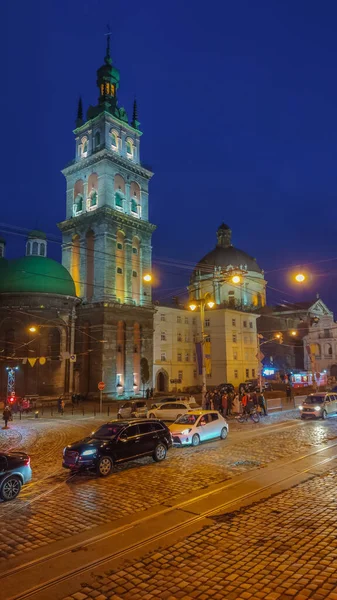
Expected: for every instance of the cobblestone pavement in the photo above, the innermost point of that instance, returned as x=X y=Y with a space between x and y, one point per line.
x=279 y=549
x=56 y=506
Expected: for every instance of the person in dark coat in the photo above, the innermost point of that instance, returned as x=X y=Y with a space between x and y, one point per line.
x=288 y=392
x=7 y=416
x=262 y=403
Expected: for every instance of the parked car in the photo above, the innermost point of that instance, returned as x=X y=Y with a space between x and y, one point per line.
x=319 y=405
x=198 y=426
x=163 y=400
x=15 y=471
x=170 y=411
x=116 y=442
x=133 y=409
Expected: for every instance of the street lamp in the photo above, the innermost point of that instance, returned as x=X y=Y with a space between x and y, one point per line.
x=147 y=277
x=32 y=329
x=207 y=300
x=293 y=333
x=300 y=277
x=236 y=279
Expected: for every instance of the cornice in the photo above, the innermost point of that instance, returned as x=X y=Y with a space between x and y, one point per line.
x=105 y=214
x=113 y=157
x=108 y=117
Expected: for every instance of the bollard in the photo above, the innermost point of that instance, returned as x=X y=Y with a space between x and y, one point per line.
x=36 y=414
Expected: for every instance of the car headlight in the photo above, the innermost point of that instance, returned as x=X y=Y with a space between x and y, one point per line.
x=89 y=452
x=318 y=407
x=186 y=431
x=300 y=407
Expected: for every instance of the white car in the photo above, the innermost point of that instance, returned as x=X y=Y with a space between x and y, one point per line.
x=198 y=426
x=169 y=411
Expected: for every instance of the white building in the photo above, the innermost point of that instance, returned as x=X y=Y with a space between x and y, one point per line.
x=232 y=339
x=320 y=345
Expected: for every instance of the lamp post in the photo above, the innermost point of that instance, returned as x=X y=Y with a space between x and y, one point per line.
x=207 y=300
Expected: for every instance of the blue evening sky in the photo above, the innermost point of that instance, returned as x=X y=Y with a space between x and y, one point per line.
x=237 y=101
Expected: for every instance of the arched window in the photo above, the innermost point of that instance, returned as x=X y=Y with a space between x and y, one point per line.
x=134 y=205
x=93 y=198
x=119 y=199
x=84 y=146
x=29 y=249
x=97 y=139
x=42 y=249
x=35 y=249
x=328 y=350
x=78 y=204
x=114 y=142
x=129 y=148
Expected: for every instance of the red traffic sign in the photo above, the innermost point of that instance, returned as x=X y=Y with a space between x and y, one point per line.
x=101 y=386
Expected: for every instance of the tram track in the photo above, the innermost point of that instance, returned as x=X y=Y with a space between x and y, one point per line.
x=87 y=556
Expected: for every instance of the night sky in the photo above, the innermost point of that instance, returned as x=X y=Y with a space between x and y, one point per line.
x=237 y=101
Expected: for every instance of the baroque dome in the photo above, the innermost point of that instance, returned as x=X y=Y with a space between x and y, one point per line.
x=226 y=255
x=35 y=274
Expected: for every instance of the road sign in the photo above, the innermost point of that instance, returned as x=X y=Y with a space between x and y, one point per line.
x=101 y=386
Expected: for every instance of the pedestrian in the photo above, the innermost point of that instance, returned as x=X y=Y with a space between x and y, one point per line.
x=62 y=406
x=212 y=401
x=151 y=392
x=288 y=392
x=73 y=399
x=236 y=408
x=230 y=404
x=245 y=401
x=207 y=401
x=147 y=393
x=7 y=416
x=224 y=402
x=59 y=404
x=262 y=403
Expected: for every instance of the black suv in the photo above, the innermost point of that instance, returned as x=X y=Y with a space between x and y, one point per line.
x=118 y=441
x=14 y=472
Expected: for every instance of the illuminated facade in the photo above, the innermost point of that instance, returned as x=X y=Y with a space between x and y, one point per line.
x=107 y=243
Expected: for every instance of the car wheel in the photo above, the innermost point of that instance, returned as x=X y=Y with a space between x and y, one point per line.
x=324 y=415
x=195 y=440
x=104 y=466
x=152 y=416
x=10 y=488
x=160 y=453
x=224 y=433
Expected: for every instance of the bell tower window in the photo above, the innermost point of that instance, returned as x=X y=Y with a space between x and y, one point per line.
x=119 y=199
x=134 y=205
x=129 y=149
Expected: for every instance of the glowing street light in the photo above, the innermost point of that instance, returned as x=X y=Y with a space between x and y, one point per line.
x=32 y=329
x=147 y=277
x=236 y=279
x=210 y=304
x=293 y=333
x=192 y=306
x=300 y=277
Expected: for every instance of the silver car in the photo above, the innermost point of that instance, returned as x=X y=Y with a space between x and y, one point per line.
x=198 y=426
x=320 y=405
x=133 y=409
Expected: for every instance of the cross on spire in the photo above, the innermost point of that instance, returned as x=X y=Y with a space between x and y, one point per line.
x=108 y=36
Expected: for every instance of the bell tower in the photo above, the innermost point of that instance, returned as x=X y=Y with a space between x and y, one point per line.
x=107 y=234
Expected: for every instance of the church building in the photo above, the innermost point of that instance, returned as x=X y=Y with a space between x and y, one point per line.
x=107 y=243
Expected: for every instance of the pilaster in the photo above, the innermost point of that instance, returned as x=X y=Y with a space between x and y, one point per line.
x=128 y=271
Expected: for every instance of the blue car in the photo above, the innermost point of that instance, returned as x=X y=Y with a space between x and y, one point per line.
x=15 y=471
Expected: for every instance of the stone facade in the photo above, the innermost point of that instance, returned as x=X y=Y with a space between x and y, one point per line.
x=107 y=245
x=232 y=339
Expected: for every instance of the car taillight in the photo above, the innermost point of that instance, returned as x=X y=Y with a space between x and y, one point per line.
x=27 y=461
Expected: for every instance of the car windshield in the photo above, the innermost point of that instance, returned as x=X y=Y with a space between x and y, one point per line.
x=187 y=419
x=109 y=430
x=314 y=399
x=193 y=405
x=140 y=404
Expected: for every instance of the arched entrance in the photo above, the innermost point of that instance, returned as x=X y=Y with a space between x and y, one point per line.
x=162 y=381
x=333 y=371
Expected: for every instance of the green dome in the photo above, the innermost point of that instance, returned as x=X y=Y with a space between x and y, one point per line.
x=35 y=233
x=36 y=274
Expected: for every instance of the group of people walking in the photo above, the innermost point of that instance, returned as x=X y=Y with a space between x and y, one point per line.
x=230 y=402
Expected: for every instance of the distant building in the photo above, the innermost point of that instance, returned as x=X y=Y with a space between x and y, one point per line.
x=291 y=321
x=212 y=275
x=320 y=343
x=231 y=342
